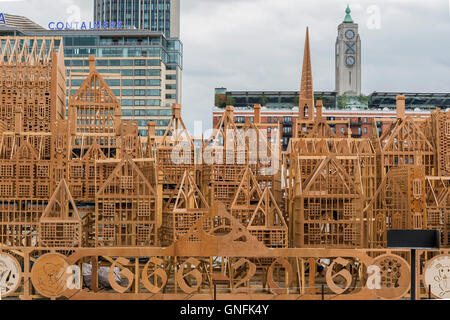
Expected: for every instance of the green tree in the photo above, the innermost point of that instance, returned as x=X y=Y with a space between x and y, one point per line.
x=363 y=99
x=218 y=101
x=231 y=101
x=342 y=101
x=263 y=100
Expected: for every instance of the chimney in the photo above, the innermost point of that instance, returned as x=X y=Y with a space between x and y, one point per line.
x=91 y=63
x=257 y=108
x=151 y=126
x=176 y=110
x=319 y=109
x=230 y=110
x=401 y=106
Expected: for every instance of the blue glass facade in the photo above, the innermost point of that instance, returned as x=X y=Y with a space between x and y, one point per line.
x=154 y=15
x=142 y=68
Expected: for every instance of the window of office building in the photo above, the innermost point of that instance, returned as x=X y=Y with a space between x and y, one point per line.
x=153 y=82
x=240 y=119
x=155 y=73
x=139 y=62
x=127 y=63
x=114 y=63
x=139 y=82
x=139 y=92
x=165 y=112
x=287 y=130
x=154 y=62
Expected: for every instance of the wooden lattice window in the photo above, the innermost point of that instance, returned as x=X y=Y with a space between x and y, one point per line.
x=92 y=171
x=314 y=211
x=434 y=219
x=447 y=128
x=126 y=182
x=143 y=233
x=48 y=231
x=417 y=188
x=42 y=171
x=76 y=171
x=448 y=159
x=91 y=190
x=42 y=111
x=108 y=209
x=349 y=234
x=277 y=239
x=42 y=190
x=23 y=190
x=349 y=210
x=108 y=232
x=24 y=170
x=314 y=233
x=143 y=209
x=6 y=170
x=417 y=221
x=6 y=190
x=77 y=190
x=9 y=112
x=221 y=192
x=69 y=231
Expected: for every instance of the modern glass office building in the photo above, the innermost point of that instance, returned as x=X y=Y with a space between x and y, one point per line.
x=143 y=68
x=154 y=15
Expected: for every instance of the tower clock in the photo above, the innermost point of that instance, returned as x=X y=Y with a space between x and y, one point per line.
x=348 y=58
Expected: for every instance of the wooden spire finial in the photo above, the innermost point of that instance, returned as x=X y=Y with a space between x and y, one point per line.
x=257 y=110
x=401 y=106
x=306 y=99
x=176 y=110
x=91 y=62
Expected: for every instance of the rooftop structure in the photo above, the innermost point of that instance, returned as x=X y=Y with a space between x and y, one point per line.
x=84 y=189
x=143 y=68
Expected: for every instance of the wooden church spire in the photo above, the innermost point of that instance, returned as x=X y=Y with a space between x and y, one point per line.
x=306 y=99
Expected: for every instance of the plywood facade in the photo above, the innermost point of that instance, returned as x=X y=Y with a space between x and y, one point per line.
x=230 y=208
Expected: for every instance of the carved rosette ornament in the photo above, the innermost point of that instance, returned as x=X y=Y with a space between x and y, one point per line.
x=49 y=275
x=437 y=276
x=395 y=277
x=10 y=275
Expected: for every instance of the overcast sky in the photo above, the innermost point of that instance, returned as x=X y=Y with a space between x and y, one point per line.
x=258 y=44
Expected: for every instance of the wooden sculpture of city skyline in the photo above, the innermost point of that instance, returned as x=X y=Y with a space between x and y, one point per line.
x=85 y=191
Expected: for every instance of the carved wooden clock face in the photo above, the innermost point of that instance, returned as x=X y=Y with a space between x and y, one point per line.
x=349 y=34
x=350 y=61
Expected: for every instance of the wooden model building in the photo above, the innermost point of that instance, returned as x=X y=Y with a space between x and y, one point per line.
x=230 y=217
